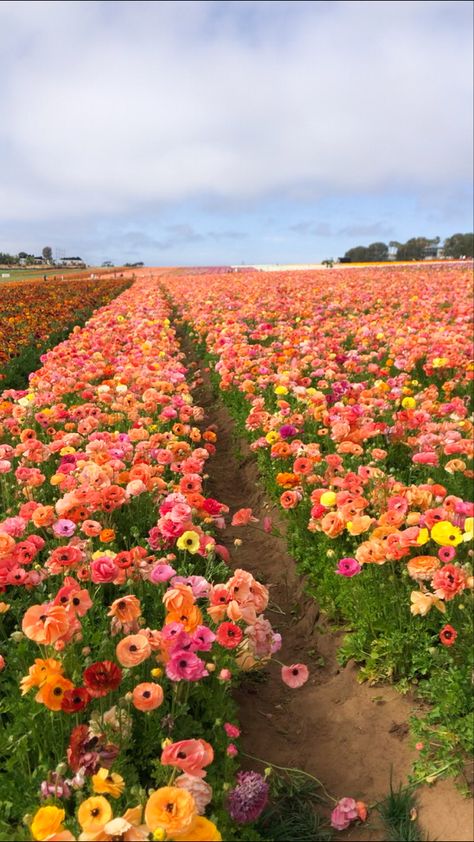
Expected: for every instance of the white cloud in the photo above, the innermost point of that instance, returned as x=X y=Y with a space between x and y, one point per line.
x=108 y=107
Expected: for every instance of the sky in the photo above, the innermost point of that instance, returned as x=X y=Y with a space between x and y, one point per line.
x=208 y=132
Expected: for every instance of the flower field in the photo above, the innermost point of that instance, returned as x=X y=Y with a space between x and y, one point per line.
x=125 y=621
x=36 y=311
x=123 y=628
x=354 y=388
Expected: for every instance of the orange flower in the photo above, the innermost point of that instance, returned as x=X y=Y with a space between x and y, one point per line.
x=45 y=624
x=106 y=536
x=43 y=516
x=52 y=691
x=423 y=567
x=126 y=609
x=39 y=672
x=287 y=480
x=147 y=696
x=172 y=809
x=190 y=617
x=178 y=597
x=133 y=650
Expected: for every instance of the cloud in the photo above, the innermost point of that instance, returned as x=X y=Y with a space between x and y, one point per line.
x=113 y=108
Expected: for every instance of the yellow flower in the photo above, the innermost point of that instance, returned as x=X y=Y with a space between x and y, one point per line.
x=408 y=403
x=272 y=437
x=423 y=537
x=94 y=813
x=468 y=529
x=445 y=534
x=328 y=498
x=202 y=830
x=4 y=606
x=108 y=782
x=280 y=390
x=439 y=362
x=47 y=822
x=189 y=541
x=157 y=672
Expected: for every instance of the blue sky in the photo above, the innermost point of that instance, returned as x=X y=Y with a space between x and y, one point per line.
x=186 y=133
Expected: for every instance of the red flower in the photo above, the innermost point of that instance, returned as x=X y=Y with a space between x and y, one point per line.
x=123 y=559
x=448 y=635
x=74 y=700
x=102 y=677
x=229 y=635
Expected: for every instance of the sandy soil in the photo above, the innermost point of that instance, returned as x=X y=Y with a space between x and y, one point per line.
x=351 y=736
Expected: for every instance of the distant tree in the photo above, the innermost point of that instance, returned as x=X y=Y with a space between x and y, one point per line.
x=413 y=249
x=358 y=254
x=329 y=263
x=459 y=245
x=47 y=253
x=377 y=252
x=7 y=259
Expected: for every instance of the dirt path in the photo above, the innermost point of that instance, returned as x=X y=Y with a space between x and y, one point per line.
x=350 y=736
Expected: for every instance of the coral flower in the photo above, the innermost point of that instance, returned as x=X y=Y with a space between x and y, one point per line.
x=189 y=755
x=243 y=517
x=94 y=813
x=295 y=676
x=448 y=582
x=107 y=782
x=133 y=650
x=47 y=822
x=45 y=623
x=171 y=809
x=101 y=678
x=448 y=635
x=147 y=696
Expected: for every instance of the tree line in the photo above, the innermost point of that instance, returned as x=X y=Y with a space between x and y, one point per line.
x=28 y=259
x=416 y=248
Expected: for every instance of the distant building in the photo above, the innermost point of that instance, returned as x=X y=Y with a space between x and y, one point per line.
x=71 y=261
x=433 y=252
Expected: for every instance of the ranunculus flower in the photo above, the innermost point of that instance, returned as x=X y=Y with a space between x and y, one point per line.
x=295 y=676
x=348 y=567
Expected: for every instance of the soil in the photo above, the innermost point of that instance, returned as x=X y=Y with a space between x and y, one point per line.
x=351 y=736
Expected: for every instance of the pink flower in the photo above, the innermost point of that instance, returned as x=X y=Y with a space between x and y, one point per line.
x=231 y=730
x=232 y=750
x=161 y=573
x=225 y=675
x=64 y=528
x=2 y=663
x=103 y=570
x=348 y=567
x=199 y=789
x=185 y=665
x=345 y=812
x=295 y=676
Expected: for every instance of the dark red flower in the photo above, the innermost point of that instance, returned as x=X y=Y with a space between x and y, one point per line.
x=101 y=678
x=76 y=699
x=229 y=635
x=448 y=635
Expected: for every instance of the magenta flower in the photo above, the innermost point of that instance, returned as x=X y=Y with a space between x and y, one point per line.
x=348 y=567
x=248 y=799
x=185 y=665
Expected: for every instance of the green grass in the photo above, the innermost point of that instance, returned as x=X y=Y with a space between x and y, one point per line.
x=37 y=273
x=398 y=813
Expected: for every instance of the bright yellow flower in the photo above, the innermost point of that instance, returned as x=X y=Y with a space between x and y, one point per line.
x=272 y=437
x=108 y=782
x=423 y=537
x=445 y=534
x=189 y=541
x=202 y=830
x=280 y=390
x=94 y=813
x=408 y=403
x=328 y=498
x=47 y=822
